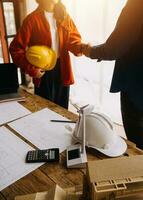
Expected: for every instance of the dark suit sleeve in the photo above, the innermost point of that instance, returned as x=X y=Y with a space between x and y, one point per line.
x=125 y=34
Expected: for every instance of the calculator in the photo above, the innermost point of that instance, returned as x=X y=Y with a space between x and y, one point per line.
x=45 y=155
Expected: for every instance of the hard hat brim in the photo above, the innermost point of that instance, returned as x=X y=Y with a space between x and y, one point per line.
x=118 y=148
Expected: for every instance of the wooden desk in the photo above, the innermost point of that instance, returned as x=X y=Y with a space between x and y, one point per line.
x=48 y=174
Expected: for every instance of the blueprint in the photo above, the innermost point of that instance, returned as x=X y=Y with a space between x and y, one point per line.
x=13 y=151
x=40 y=131
x=11 y=110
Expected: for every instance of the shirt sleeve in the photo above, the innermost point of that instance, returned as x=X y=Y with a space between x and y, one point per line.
x=74 y=43
x=18 y=47
x=125 y=34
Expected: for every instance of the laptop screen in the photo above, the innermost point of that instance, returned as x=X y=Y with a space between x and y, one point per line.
x=8 y=78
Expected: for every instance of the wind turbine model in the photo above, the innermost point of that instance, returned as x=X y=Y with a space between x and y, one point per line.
x=76 y=154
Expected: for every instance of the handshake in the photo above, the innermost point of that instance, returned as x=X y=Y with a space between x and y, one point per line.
x=86 y=49
x=93 y=52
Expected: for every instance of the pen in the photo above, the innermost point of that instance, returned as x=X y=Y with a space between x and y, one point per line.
x=64 y=121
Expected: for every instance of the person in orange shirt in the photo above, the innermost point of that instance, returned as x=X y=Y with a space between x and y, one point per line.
x=49 y=25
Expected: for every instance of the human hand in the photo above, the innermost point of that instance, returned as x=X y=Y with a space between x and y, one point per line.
x=39 y=72
x=36 y=72
x=86 y=49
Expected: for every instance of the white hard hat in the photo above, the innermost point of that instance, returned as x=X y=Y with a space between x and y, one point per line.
x=99 y=134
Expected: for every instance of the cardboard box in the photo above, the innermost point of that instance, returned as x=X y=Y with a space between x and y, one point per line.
x=54 y=193
x=115 y=178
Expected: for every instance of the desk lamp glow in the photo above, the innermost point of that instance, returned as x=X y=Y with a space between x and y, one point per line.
x=76 y=154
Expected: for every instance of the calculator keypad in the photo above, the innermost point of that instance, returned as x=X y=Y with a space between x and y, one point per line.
x=43 y=155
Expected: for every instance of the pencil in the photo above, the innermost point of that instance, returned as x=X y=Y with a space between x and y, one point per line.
x=62 y=121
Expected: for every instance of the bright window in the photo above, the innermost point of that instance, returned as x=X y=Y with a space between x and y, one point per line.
x=95 y=20
x=9 y=18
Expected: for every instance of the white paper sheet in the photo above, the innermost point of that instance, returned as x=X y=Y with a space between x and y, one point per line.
x=13 y=151
x=11 y=110
x=40 y=131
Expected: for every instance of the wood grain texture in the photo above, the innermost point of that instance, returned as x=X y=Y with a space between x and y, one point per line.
x=33 y=182
x=53 y=173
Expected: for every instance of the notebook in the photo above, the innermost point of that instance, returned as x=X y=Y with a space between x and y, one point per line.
x=9 y=84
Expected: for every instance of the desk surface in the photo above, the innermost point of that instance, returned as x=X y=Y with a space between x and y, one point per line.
x=48 y=174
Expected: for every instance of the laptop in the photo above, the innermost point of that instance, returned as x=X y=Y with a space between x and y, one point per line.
x=9 y=84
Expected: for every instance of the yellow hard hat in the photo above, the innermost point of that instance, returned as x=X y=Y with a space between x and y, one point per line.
x=42 y=57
